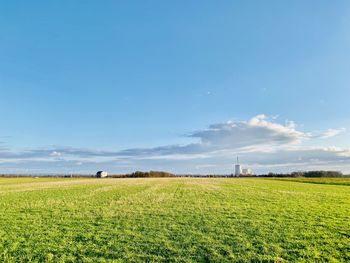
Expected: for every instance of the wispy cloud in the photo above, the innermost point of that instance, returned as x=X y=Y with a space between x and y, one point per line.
x=332 y=132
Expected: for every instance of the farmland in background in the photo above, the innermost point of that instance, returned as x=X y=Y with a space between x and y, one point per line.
x=331 y=181
x=174 y=219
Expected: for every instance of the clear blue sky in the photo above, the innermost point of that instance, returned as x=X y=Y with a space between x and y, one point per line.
x=110 y=76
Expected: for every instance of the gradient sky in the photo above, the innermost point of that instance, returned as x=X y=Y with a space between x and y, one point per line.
x=182 y=86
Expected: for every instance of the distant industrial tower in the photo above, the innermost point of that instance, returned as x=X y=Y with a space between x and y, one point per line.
x=238 y=168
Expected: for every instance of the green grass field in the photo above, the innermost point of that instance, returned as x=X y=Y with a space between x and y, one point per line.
x=173 y=220
x=331 y=181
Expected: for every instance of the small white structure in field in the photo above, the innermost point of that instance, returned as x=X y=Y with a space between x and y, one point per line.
x=101 y=174
x=247 y=171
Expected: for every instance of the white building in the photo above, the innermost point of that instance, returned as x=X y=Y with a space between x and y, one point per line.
x=242 y=171
x=101 y=174
x=238 y=170
x=247 y=171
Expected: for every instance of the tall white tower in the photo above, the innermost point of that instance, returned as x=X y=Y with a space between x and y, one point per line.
x=238 y=168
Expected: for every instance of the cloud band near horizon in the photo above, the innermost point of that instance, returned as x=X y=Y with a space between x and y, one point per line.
x=262 y=143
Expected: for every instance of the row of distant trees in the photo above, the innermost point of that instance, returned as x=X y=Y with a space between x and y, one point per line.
x=310 y=174
x=150 y=174
x=139 y=174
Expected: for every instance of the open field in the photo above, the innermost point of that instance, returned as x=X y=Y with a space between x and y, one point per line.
x=178 y=219
x=331 y=181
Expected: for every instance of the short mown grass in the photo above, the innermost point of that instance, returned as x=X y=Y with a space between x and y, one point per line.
x=173 y=220
x=331 y=181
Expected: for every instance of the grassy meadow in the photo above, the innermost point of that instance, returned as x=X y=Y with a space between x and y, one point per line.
x=331 y=181
x=174 y=220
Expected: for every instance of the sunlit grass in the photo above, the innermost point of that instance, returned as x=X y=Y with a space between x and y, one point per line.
x=332 y=181
x=178 y=219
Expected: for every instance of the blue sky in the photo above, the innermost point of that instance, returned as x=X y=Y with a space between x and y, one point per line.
x=182 y=86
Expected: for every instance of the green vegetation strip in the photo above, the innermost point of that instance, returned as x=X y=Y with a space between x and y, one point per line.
x=173 y=220
x=331 y=181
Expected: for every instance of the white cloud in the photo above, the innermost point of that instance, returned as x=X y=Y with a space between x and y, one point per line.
x=259 y=130
x=262 y=142
x=332 y=132
x=55 y=154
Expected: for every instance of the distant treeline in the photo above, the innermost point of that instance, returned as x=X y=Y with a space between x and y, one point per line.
x=154 y=174
x=139 y=174
x=311 y=174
